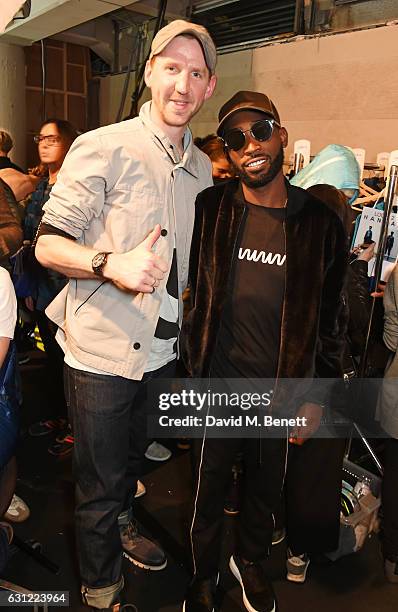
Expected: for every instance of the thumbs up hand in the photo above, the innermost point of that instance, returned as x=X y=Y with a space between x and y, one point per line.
x=140 y=269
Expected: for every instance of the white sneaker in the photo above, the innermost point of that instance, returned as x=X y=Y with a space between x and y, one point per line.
x=157 y=452
x=141 y=489
x=18 y=511
x=297 y=566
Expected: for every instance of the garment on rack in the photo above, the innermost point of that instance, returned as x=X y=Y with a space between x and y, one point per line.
x=334 y=165
x=375 y=182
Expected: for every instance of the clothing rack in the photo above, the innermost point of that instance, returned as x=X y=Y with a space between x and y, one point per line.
x=367 y=194
x=390 y=189
x=298 y=163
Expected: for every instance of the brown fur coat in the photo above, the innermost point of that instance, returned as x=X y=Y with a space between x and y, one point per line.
x=316 y=257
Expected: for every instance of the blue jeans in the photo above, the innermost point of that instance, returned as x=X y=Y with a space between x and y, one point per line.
x=107 y=414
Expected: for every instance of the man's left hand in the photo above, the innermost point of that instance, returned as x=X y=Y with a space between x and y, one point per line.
x=311 y=415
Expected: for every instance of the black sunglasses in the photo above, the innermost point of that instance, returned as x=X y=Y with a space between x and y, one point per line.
x=261 y=130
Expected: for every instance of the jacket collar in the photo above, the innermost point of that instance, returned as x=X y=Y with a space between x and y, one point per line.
x=296 y=197
x=188 y=160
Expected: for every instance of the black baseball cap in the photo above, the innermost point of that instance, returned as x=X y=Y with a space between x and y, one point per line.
x=246 y=100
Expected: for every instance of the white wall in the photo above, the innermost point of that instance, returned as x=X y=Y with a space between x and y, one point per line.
x=12 y=98
x=330 y=89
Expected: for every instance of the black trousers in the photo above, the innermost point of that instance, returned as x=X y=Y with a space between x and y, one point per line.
x=265 y=461
x=312 y=495
x=390 y=499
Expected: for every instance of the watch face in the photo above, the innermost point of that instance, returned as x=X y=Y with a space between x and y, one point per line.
x=98 y=261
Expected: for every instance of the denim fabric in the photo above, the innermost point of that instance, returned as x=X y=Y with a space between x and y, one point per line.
x=49 y=282
x=107 y=414
x=100 y=598
x=34 y=209
x=9 y=406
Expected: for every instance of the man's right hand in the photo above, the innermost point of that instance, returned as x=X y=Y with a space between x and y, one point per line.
x=366 y=254
x=138 y=270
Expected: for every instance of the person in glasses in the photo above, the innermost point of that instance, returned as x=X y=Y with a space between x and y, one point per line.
x=53 y=142
x=267 y=267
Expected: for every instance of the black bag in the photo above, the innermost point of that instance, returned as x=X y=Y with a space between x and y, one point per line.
x=24 y=271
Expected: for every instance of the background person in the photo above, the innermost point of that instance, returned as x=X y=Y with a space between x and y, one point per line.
x=213 y=146
x=388 y=417
x=6 y=144
x=53 y=142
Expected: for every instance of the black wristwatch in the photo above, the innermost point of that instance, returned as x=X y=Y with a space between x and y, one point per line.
x=98 y=262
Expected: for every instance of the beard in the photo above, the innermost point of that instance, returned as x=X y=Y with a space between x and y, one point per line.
x=263 y=178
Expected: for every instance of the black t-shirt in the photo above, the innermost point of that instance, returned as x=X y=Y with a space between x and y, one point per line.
x=249 y=336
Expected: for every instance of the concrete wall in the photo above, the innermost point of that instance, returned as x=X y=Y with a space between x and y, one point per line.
x=12 y=98
x=329 y=89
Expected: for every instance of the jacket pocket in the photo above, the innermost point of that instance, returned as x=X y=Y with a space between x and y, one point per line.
x=104 y=320
x=81 y=305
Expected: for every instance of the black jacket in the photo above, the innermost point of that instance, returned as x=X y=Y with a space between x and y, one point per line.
x=316 y=258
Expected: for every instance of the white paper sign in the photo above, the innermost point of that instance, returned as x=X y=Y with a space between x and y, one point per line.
x=369 y=231
x=382 y=161
x=360 y=156
x=303 y=147
x=392 y=161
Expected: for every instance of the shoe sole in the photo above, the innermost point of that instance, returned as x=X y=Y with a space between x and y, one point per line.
x=234 y=569
x=42 y=433
x=279 y=540
x=159 y=459
x=231 y=512
x=62 y=454
x=297 y=578
x=20 y=518
x=141 y=490
x=23 y=361
x=47 y=431
x=153 y=568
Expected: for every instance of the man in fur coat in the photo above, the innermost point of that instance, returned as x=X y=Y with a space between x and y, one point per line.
x=267 y=268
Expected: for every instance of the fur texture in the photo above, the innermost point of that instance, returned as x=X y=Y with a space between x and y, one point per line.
x=316 y=256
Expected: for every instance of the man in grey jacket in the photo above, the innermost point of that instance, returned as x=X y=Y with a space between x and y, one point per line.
x=119 y=224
